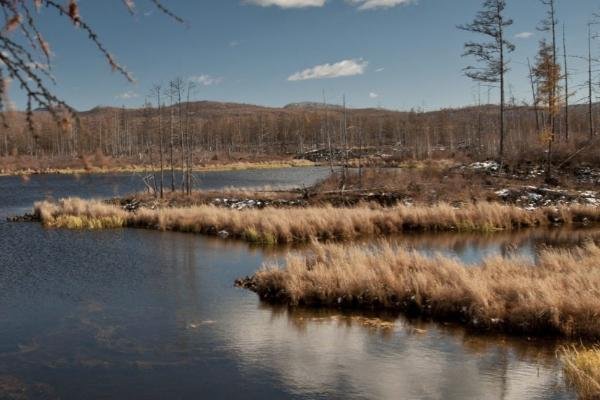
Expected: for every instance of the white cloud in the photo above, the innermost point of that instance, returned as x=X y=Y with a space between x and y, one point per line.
x=127 y=95
x=206 y=80
x=375 y=4
x=288 y=3
x=373 y=95
x=234 y=43
x=379 y=69
x=326 y=71
x=524 y=35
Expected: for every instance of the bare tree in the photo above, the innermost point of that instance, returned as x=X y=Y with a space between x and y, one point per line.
x=532 y=81
x=548 y=24
x=491 y=23
x=171 y=95
x=566 y=79
x=157 y=91
x=25 y=54
x=148 y=145
x=189 y=142
x=177 y=88
x=548 y=75
x=590 y=83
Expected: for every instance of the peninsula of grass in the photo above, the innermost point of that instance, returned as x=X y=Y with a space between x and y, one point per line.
x=302 y=224
x=81 y=168
x=557 y=296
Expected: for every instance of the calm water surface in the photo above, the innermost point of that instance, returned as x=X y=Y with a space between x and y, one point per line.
x=142 y=314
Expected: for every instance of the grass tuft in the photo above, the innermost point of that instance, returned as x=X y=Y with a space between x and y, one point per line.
x=557 y=296
x=582 y=370
x=287 y=225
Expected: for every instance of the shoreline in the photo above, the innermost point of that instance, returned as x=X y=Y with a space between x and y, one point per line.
x=233 y=166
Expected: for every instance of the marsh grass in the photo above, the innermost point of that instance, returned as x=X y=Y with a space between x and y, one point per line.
x=25 y=165
x=582 y=370
x=290 y=225
x=84 y=222
x=558 y=296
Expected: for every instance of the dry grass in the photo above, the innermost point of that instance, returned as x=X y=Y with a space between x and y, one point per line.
x=427 y=183
x=289 y=225
x=25 y=165
x=582 y=370
x=203 y=197
x=559 y=296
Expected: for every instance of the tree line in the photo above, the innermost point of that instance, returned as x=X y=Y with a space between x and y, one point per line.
x=549 y=79
x=175 y=132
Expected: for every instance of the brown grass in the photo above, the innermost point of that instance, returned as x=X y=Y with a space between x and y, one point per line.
x=98 y=163
x=582 y=370
x=288 y=225
x=203 y=197
x=424 y=183
x=558 y=296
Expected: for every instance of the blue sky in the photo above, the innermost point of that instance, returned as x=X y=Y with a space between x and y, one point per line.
x=395 y=56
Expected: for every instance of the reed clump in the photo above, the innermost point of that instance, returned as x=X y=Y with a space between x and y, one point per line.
x=582 y=370
x=557 y=296
x=288 y=225
x=83 y=222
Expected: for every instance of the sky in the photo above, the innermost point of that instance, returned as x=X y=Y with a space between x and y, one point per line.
x=396 y=54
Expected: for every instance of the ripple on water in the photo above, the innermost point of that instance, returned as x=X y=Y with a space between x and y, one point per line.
x=130 y=314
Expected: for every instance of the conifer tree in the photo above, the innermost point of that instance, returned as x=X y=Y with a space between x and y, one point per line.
x=491 y=23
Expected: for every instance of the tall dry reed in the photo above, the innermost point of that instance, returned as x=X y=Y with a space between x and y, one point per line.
x=582 y=370
x=559 y=295
x=275 y=225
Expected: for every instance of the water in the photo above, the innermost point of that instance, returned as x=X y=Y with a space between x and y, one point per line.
x=144 y=314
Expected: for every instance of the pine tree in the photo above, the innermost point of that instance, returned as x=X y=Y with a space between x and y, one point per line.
x=548 y=75
x=491 y=23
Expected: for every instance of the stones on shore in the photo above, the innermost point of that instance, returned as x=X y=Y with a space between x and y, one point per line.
x=23 y=218
x=487 y=166
x=248 y=282
x=132 y=206
x=588 y=174
x=242 y=204
x=532 y=197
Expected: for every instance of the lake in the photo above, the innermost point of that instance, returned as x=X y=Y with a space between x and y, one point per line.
x=145 y=314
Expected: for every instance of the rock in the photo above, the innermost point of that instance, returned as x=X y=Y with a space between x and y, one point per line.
x=503 y=193
x=132 y=205
x=488 y=166
x=534 y=196
x=246 y=283
x=23 y=218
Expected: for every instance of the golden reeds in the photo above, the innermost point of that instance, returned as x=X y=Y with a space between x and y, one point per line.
x=582 y=370
x=287 y=225
x=88 y=165
x=558 y=296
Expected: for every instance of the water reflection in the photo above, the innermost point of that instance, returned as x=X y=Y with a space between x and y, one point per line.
x=473 y=248
x=154 y=315
x=146 y=314
x=324 y=352
x=17 y=195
